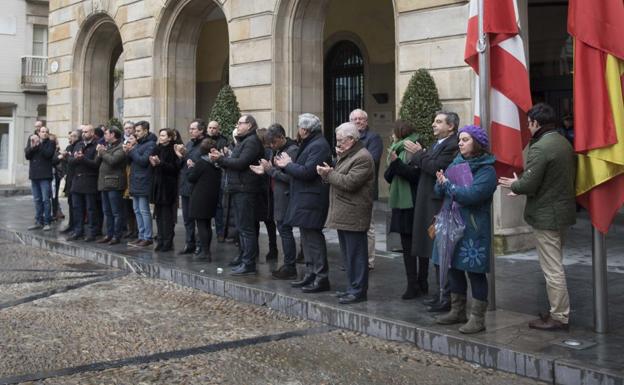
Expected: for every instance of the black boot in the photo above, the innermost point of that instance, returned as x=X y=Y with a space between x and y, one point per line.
x=443 y=305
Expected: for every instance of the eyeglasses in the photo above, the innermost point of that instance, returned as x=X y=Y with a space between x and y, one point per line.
x=243 y=122
x=342 y=140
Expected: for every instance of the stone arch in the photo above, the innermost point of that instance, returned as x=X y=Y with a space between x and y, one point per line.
x=175 y=58
x=299 y=48
x=98 y=46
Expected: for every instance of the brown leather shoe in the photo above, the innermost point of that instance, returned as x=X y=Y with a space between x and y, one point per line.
x=113 y=241
x=145 y=242
x=103 y=240
x=547 y=323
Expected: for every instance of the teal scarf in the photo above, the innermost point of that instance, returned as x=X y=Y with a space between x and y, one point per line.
x=400 y=189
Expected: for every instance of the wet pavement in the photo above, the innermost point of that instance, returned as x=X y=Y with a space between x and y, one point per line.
x=128 y=329
x=507 y=344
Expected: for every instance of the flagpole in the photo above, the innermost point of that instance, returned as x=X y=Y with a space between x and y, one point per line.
x=483 y=48
x=599 y=268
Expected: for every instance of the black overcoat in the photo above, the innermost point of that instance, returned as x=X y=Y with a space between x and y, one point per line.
x=206 y=180
x=165 y=176
x=427 y=202
x=309 y=196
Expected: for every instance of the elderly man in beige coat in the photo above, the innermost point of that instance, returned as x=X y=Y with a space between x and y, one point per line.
x=350 y=207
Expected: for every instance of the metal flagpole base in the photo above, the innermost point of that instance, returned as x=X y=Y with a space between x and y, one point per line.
x=599 y=266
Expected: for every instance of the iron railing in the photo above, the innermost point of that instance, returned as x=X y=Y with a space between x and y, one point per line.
x=34 y=72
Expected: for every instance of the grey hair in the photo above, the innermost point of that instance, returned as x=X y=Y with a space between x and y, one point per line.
x=348 y=129
x=451 y=118
x=128 y=122
x=360 y=111
x=309 y=122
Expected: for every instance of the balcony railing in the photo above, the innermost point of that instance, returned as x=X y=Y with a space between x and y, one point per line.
x=34 y=73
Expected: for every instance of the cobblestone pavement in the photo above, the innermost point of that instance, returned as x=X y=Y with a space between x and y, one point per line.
x=63 y=321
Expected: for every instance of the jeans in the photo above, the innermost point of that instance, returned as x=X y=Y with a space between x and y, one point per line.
x=288 y=243
x=80 y=203
x=246 y=224
x=112 y=206
x=143 y=216
x=354 y=250
x=42 y=190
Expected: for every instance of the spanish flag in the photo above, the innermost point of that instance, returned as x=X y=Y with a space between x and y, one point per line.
x=598 y=31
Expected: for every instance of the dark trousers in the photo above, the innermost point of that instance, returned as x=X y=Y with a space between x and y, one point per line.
x=80 y=203
x=71 y=211
x=315 y=252
x=243 y=204
x=112 y=205
x=354 y=250
x=478 y=283
x=416 y=268
x=99 y=215
x=288 y=243
x=56 y=207
x=165 y=224
x=205 y=233
x=218 y=219
x=189 y=223
x=271 y=233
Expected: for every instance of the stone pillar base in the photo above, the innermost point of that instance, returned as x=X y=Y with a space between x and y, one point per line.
x=507 y=241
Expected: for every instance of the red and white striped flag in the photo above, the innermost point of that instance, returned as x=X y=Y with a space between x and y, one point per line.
x=510 y=93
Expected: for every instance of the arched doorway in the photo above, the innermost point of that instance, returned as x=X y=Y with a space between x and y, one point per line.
x=191 y=53
x=306 y=33
x=344 y=85
x=98 y=47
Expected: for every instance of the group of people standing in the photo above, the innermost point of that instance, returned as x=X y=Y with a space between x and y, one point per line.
x=266 y=176
x=425 y=183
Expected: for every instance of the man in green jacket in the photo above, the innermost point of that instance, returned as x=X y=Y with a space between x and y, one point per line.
x=548 y=183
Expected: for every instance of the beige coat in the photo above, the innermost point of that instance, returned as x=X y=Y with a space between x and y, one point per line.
x=350 y=194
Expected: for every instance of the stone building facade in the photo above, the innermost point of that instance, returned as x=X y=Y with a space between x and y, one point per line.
x=23 y=71
x=278 y=55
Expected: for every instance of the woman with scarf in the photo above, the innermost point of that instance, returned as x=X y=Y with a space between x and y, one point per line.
x=471 y=253
x=164 y=187
x=403 y=180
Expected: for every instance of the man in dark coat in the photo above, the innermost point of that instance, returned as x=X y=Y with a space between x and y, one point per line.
x=84 y=185
x=245 y=188
x=280 y=182
x=309 y=201
x=373 y=143
x=74 y=139
x=189 y=155
x=112 y=183
x=214 y=132
x=40 y=152
x=428 y=204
